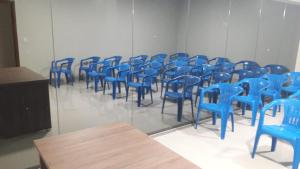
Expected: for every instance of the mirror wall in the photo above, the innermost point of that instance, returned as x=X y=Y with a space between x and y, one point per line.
x=266 y=31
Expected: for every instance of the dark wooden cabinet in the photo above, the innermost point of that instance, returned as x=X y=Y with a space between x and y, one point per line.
x=24 y=102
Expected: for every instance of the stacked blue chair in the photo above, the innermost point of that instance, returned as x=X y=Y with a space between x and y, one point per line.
x=172 y=73
x=223 y=108
x=186 y=83
x=122 y=72
x=85 y=63
x=274 y=89
x=61 y=66
x=253 y=97
x=294 y=85
x=246 y=65
x=288 y=130
x=277 y=69
x=98 y=71
x=144 y=83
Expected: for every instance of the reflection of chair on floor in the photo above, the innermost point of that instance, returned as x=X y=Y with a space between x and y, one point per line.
x=185 y=83
x=121 y=71
x=289 y=130
x=223 y=108
x=253 y=97
x=61 y=66
x=143 y=83
x=84 y=65
x=97 y=71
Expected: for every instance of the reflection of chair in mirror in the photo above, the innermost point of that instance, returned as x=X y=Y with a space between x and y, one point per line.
x=97 y=72
x=121 y=71
x=223 y=108
x=61 y=66
x=143 y=83
x=288 y=130
x=294 y=83
x=85 y=63
x=182 y=89
x=277 y=69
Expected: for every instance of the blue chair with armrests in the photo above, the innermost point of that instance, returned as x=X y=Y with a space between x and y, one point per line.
x=85 y=63
x=288 y=130
x=274 y=89
x=186 y=83
x=223 y=107
x=98 y=71
x=61 y=66
x=294 y=83
x=277 y=69
x=122 y=71
x=253 y=97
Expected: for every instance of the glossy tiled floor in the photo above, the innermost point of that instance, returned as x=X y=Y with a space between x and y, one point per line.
x=204 y=147
x=75 y=107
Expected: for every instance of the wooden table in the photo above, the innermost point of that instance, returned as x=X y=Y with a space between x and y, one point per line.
x=117 y=146
x=24 y=102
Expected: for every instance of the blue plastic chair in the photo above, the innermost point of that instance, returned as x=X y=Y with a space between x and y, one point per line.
x=253 y=97
x=244 y=74
x=295 y=95
x=156 y=65
x=186 y=83
x=274 y=89
x=144 y=83
x=98 y=71
x=288 y=130
x=159 y=57
x=294 y=85
x=85 y=63
x=114 y=60
x=172 y=73
x=61 y=66
x=277 y=69
x=223 y=108
x=121 y=77
x=246 y=65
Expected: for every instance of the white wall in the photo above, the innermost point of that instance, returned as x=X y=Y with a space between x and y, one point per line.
x=34 y=34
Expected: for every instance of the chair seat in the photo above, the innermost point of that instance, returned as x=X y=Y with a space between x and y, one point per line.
x=285 y=132
x=174 y=95
x=136 y=84
x=93 y=73
x=248 y=99
x=110 y=79
x=291 y=89
x=217 y=108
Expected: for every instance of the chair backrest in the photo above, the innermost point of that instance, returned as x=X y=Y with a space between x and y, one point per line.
x=275 y=81
x=150 y=73
x=198 y=60
x=123 y=70
x=115 y=60
x=246 y=65
x=221 y=60
x=294 y=78
x=178 y=56
x=259 y=71
x=187 y=82
x=227 y=67
x=277 y=69
x=292 y=113
x=221 y=77
x=227 y=92
x=159 y=56
x=256 y=85
x=244 y=74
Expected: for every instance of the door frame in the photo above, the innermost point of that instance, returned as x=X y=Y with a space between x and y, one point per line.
x=14 y=30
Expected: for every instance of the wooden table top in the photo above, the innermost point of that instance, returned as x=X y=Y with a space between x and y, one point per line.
x=112 y=147
x=14 y=75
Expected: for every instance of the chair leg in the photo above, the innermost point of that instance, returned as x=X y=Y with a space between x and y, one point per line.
x=179 y=109
x=127 y=89
x=257 y=137
x=96 y=80
x=87 y=81
x=274 y=142
x=214 y=118
x=79 y=75
x=296 y=158
x=114 y=88
x=224 y=118
x=104 y=87
x=151 y=95
x=274 y=111
x=161 y=89
x=197 y=118
x=254 y=113
x=163 y=105
x=119 y=87
x=139 y=91
x=192 y=107
x=50 y=78
x=232 y=121
x=58 y=79
x=243 y=108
